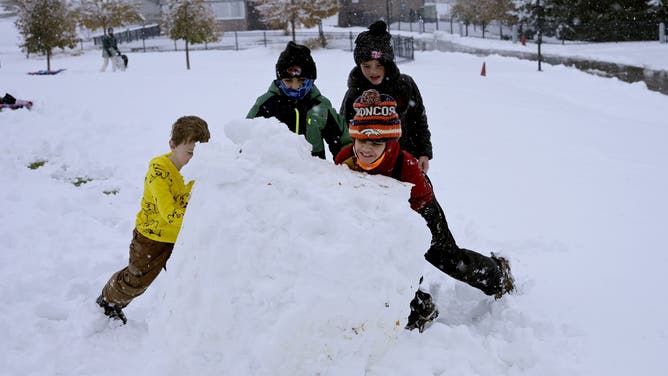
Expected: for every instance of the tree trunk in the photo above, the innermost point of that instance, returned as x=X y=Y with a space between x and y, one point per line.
x=187 y=56
x=292 y=24
x=187 y=34
x=48 y=60
x=321 y=34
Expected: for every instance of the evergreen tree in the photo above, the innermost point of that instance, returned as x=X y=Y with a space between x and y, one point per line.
x=45 y=25
x=560 y=19
x=95 y=14
x=192 y=21
x=618 y=20
x=521 y=9
x=658 y=11
x=308 y=13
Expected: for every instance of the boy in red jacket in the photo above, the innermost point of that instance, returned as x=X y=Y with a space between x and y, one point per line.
x=375 y=130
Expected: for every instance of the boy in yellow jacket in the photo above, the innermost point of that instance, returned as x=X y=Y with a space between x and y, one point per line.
x=158 y=222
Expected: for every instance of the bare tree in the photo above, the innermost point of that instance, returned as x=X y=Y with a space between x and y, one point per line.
x=192 y=21
x=45 y=25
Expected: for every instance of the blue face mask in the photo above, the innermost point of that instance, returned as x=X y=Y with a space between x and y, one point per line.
x=300 y=93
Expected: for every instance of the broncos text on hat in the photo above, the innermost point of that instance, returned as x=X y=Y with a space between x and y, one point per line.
x=376 y=118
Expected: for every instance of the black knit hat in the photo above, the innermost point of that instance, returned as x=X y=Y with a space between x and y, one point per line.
x=375 y=44
x=295 y=61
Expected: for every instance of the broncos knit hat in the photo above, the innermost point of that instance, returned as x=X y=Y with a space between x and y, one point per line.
x=296 y=61
x=376 y=118
x=375 y=44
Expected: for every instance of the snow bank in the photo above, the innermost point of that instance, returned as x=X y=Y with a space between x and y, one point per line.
x=276 y=248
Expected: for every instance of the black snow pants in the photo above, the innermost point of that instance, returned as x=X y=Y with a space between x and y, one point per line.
x=473 y=268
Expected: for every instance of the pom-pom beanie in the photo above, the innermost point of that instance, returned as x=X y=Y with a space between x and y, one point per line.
x=376 y=118
x=374 y=44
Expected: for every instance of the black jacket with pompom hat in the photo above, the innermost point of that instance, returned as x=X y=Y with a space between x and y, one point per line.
x=376 y=44
x=415 y=138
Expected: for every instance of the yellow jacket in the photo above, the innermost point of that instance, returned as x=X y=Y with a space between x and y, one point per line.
x=164 y=202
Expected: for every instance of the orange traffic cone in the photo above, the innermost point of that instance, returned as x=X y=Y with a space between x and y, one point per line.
x=483 y=72
x=524 y=40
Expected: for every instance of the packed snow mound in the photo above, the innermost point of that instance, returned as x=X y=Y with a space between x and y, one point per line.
x=237 y=298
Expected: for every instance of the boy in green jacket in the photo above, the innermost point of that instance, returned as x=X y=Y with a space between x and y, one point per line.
x=294 y=100
x=158 y=222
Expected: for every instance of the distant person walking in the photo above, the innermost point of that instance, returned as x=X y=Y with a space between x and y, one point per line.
x=109 y=49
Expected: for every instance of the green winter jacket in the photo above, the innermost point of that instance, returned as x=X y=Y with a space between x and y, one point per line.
x=311 y=116
x=109 y=46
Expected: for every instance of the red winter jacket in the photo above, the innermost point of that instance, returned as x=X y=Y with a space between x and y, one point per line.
x=421 y=193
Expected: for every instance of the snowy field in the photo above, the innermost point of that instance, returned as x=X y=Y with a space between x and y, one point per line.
x=288 y=265
x=649 y=54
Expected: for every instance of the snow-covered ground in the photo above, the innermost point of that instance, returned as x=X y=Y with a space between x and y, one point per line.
x=650 y=55
x=288 y=265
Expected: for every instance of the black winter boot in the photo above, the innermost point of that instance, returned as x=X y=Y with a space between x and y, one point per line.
x=423 y=311
x=8 y=99
x=489 y=274
x=113 y=311
x=472 y=268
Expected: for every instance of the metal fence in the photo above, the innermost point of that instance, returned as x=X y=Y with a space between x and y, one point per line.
x=552 y=32
x=128 y=35
x=148 y=38
x=404 y=47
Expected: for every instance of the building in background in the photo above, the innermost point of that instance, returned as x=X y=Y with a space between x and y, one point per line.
x=241 y=15
x=365 y=12
x=443 y=8
x=231 y=14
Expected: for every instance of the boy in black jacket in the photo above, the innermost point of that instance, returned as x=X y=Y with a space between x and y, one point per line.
x=375 y=69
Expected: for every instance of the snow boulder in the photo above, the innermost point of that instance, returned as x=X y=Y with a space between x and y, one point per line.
x=286 y=264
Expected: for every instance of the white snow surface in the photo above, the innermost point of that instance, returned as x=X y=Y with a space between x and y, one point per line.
x=289 y=265
x=649 y=55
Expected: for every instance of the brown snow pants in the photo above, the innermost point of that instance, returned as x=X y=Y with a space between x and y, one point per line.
x=147 y=258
